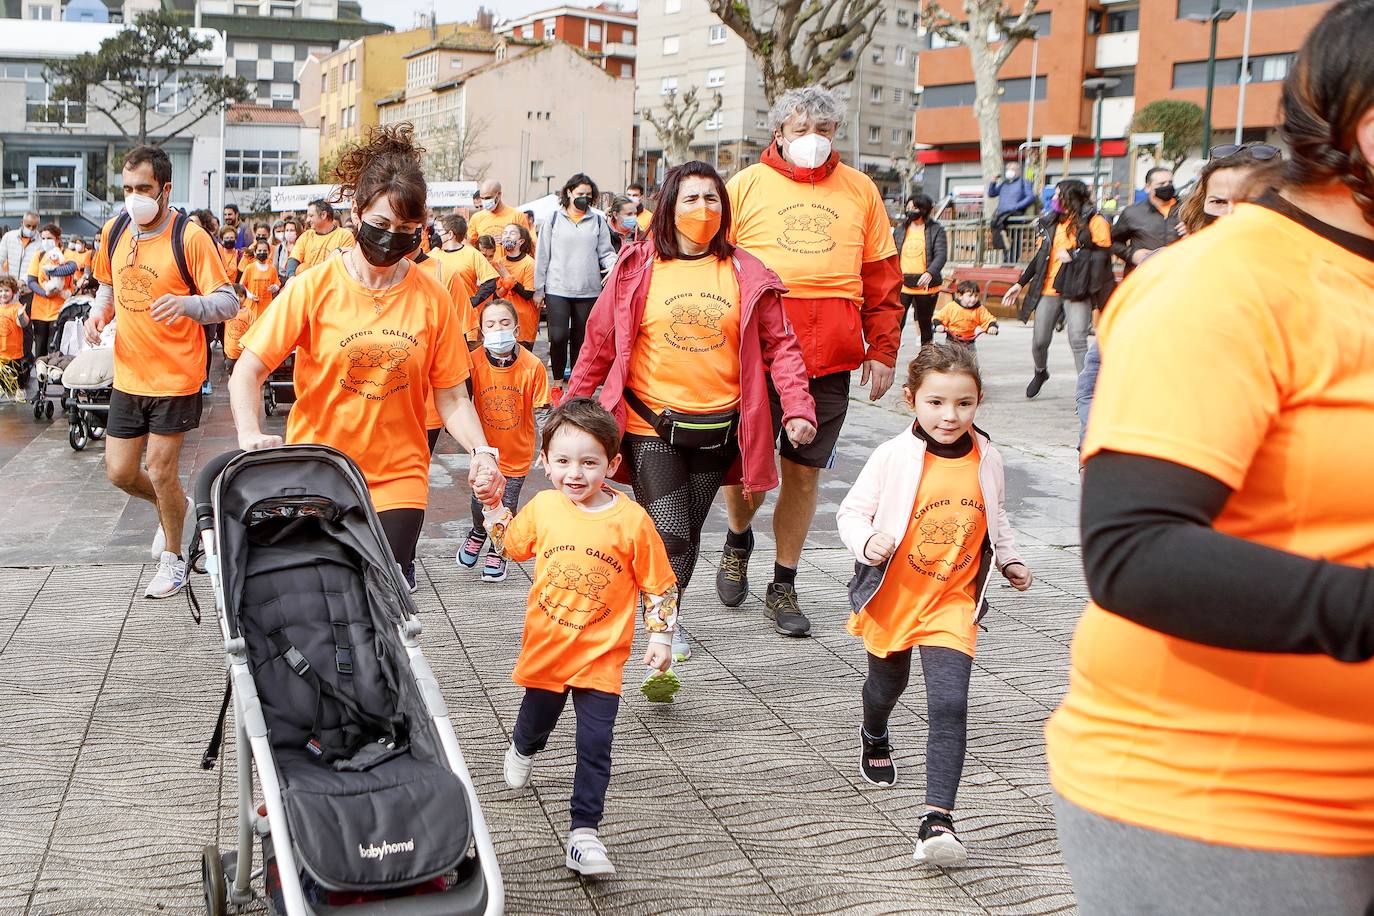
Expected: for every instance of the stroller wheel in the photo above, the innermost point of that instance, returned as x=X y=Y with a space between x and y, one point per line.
x=77 y=436
x=269 y=402
x=48 y=410
x=212 y=882
x=38 y=410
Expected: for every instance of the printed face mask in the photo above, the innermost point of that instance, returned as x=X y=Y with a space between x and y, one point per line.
x=382 y=248
x=499 y=340
x=511 y=245
x=809 y=150
x=699 y=225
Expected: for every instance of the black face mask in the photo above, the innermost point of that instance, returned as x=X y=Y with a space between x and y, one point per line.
x=582 y=203
x=915 y=215
x=260 y=255
x=382 y=248
x=1165 y=192
x=227 y=243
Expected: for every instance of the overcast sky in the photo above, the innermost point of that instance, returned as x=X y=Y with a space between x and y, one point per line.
x=401 y=13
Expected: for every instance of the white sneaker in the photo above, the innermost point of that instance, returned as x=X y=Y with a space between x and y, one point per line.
x=587 y=854
x=170 y=577
x=518 y=768
x=160 y=537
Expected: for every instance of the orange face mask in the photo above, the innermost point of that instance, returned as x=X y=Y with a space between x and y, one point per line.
x=700 y=225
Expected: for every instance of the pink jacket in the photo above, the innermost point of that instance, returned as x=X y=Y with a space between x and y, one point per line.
x=766 y=342
x=884 y=496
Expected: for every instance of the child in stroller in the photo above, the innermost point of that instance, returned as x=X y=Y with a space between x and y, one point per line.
x=367 y=797
x=68 y=340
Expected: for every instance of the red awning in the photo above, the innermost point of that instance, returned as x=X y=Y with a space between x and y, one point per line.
x=1080 y=150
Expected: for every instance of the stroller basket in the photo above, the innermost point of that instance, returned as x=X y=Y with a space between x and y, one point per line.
x=365 y=787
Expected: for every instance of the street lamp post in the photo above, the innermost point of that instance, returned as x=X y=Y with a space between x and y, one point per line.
x=1099 y=85
x=1215 y=17
x=209 y=188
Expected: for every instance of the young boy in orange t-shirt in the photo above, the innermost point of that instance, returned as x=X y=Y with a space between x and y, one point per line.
x=597 y=552
x=966 y=317
x=13 y=320
x=509 y=383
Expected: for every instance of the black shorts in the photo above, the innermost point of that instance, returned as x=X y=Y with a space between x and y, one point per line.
x=133 y=416
x=831 y=393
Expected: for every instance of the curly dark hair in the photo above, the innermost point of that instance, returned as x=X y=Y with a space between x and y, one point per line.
x=388 y=162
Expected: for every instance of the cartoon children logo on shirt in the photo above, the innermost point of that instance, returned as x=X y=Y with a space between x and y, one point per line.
x=695 y=327
x=945 y=543
x=500 y=407
x=806 y=228
x=136 y=287
x=376 y=367
x=573 y=589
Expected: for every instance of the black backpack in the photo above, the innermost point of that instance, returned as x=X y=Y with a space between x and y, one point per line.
x=121 y=225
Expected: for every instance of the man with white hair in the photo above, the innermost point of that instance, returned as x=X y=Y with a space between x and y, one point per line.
x=822 y=227
x=492 y=214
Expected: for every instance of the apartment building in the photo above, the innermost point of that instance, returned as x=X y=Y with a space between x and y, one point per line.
x=1157 y=49
x=353 y=79
x=683 y=44
x=502 y=121
x=264 y=147
x=605 y=33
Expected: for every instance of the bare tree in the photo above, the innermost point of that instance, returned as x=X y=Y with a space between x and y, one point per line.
x=451 y=151
x=677 y=122
x=990 y=32
x=802 y=42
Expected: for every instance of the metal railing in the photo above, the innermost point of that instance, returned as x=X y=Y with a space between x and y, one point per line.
x=970 y=242
x=56 y=202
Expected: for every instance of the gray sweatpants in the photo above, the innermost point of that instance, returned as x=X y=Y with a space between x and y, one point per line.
x=1119 y=869
x=1078 y=321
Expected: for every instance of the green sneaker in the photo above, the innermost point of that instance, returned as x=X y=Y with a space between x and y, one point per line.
x=660 y=686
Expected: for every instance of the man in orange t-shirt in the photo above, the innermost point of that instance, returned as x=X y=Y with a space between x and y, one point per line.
x=823 y=228
x=323 y=237
x=466 y=272
x=160 y=351
x=493 y=214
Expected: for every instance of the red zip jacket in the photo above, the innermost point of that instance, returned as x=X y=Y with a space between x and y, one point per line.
x=766 y=343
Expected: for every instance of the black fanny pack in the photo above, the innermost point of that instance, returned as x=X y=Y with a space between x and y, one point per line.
x=688 y=430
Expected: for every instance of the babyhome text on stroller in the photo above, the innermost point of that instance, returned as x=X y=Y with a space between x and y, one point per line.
x=373 y=851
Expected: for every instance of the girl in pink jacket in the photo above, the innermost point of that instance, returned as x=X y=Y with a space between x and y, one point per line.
x=926 y=522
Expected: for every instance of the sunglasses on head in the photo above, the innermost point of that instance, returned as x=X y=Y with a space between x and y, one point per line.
x=1261 y=152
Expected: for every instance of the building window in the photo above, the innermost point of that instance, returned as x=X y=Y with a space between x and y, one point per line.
x=627 y=70
x=670 y=44
x=716 y=35
x=715 y=78
x=878 y=51
x=550 y=27
x=1264 y=68
x=536 y=169
x=527 y=32
x=896 y=135
x=594 y=33
x=959 y=95
x=875 y=133
x=899 y=55
x=898 y=95
x=901 y=18
x=672 y=6
x=455 y=62
x=1111 y=22
x=667 y=84
x=42 y=12
x=247 y=169
x=1204 y=7
x=39 y=105
x=875 y=94
x=713 y=122
x=628 y=36
x=760 y=120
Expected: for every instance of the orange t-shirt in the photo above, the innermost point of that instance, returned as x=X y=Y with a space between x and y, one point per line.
x=816 y=237
x=46 y=308
x=152 y=358
x=927 y=596
x=230 y=256
x=914 y=256
x=493 y=222
x=364 y=368
x=82 y=259
x=11 y=334
x=521 y=271
x=236 y=327
x=258 y=278
x=464 y=271
x=506 y=399
x=686 y=354
x=589 y=570
x=965 y=323
x=311 y=248
x=1101 y=232
x=1276 y=401
x=644 y=218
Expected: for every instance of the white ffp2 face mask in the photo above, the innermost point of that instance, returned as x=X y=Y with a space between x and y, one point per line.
x=809 y=150
x=142 y=208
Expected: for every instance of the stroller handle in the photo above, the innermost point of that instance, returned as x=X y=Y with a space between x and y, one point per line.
x=205 y=512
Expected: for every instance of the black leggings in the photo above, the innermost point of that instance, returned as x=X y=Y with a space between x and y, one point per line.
x=676 y=486
x=402 y=527
x=924 y=307
x=42 y=337
x=567 y=323
x=946 y=673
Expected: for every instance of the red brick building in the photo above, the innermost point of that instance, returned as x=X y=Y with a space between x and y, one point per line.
x=605 y=32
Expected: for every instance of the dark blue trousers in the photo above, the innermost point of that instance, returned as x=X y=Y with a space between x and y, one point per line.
x=596 y=711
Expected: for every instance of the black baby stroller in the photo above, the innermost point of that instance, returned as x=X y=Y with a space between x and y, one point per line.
x=280 y=387
x=68 y=340
x=366 y=792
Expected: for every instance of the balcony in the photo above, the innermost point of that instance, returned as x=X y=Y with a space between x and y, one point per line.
x=1117 y=49
x=618 y=49
x=1116 y=116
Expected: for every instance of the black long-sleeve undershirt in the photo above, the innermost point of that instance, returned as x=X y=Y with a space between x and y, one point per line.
x=1152 y=556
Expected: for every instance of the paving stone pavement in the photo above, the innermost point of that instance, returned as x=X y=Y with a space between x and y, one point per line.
x=742 y=798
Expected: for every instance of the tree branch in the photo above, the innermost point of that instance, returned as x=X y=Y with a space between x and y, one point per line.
x=938 y=20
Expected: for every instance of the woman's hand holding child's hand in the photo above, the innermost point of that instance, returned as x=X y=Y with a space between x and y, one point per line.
x=658 y=656
x=1019 y=576
x=879 y=547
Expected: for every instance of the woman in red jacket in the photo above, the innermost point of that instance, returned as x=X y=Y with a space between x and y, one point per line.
x=679 y=341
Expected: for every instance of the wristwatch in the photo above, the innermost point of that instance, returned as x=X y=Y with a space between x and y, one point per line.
x=486 y=450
